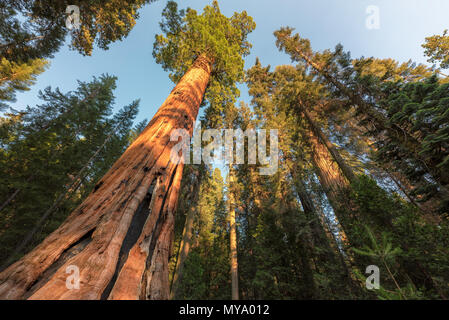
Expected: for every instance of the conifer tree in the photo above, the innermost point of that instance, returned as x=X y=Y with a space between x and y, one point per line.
x=191 y=191
x=32 y=31
x=124 y=258
x=359 y=85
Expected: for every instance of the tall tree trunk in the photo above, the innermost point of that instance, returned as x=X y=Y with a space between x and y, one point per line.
x=380 y=122
x=333 y=172
x=234 y=263
x=120 y=236
x=183 y=251
x=319 y=236
x=233 y=243
x=186 y=241
x=346 y=170
x=334 y=183
x=330 y=175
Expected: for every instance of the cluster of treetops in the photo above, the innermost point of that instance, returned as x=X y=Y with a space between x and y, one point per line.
x=363 y=175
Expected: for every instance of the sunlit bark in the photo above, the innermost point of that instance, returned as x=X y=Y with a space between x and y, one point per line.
x=233 y=245
x=120 y=236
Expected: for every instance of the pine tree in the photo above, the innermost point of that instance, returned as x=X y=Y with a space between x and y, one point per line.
x=272 y=95
x=191 y=191
x=32 y=31
x=206 y=269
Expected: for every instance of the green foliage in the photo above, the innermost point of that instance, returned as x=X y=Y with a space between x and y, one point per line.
x=384 y=254
x=383 y=251
x=367 y=88
x=192 y=286
x=385 y=120
x=104 y=22
x=18 y=77
x=28 y=29
x=395 y=235
x=187 y=35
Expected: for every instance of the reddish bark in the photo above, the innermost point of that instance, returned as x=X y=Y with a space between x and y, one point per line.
x=186 y=241
x=106 y=214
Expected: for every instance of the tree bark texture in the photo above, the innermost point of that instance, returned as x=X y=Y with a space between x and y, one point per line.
x=120 y=236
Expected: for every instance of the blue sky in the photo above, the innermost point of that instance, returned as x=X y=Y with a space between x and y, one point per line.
x=403 y=26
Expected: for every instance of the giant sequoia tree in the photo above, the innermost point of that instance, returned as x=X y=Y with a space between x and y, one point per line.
x=33 y=30
x=120 y=237
x=43 y=152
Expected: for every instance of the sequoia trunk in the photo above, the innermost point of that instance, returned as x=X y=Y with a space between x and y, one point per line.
x=233 y=242
x=120 y=237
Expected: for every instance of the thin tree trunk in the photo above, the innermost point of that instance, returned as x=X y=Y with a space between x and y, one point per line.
x=319 y=235
x=346 y=170
x=333 y=172
x=332 y=180
x=11 y=197
x=186 y=241
x=380 y=122
x=233 y=243
x=183 y=251
x=118 y=251
x=322 y=239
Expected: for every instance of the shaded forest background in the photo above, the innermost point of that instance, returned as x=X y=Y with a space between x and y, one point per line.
x=363 y=171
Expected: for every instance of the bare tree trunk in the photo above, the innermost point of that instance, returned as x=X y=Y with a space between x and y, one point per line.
x=331 y=177
x=119 y=257
x=233 y=243
x=323 y=238
x=11 y=198
x=234 y=263
x=329 y=173
x=183 y=251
